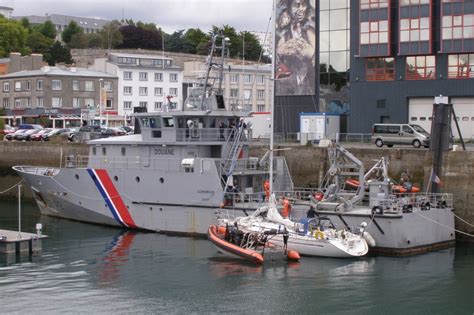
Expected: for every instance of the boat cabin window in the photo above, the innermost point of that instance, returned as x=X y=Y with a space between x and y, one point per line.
x=155 y=123
x=104 y=151
x=145 y=123
x=94 y=150
x=123 y=151
x=168 y=122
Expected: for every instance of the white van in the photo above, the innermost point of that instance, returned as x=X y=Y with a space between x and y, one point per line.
x=390 y=134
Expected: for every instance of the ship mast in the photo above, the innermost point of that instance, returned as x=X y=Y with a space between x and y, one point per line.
x=272 y=102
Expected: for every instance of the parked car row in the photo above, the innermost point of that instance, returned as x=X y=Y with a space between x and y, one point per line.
x=32 y=132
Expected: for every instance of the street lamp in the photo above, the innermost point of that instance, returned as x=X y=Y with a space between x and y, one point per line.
x=100 y=101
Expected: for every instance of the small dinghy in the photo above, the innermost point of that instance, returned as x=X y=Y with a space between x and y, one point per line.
x=254 y=247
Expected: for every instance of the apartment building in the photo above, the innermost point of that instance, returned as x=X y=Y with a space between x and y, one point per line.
x=60 y=94
x=244 y=86
x=150 y=81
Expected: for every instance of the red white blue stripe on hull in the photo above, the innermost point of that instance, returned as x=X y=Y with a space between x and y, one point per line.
x=111 y=197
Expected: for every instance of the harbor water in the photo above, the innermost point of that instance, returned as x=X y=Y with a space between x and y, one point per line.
x=88 y=268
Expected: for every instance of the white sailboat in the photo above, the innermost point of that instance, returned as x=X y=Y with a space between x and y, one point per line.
x=312 y=237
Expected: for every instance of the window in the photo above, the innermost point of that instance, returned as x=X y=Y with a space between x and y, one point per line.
x=412 y=30
x=104 y=151
x=234 y=93
x=158 y=105
x=373 y=4
x=17 y=102
x=168 y=62
x=461 y=66
x=173 y=91
x=76 y=102
x=127 y=105
x=158 y=62
x=158 y=91
x=57 y=102
x=457 y=26
x=128 y=60
x=123 y=151
x=75 y=85
x=380 y=69
x=28 y=102
x=168 y=122
x=420 y=68
x=6 y=103
x=415 y=27
x=127 y=75
x=143 y=76
x=374 y=32
x=234 y=78
x=108 y=86
x=247 y=78
x=108 y=103
x=260 y=94
x=127 y=90
x=39 y=102
x=6 y=86
x=28 y=85
x=143 y=91
x=89 y=102
x=374 y=24
x=56 y=85
x=17 y=86
x=89 y=86
x=260 y=107
x=39 y=85
x=260 y=79
x=173 y=105
x=158 y=77
x=143 y=104
x=173 y=77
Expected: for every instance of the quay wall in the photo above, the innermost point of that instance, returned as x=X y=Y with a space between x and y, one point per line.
x=307 y=164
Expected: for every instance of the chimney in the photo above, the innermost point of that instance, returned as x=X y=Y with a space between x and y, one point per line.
x=15 y=62
x=36 y=61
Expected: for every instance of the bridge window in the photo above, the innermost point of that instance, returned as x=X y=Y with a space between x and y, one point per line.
x=123 y=151
x=168 y=122
x=104 y=151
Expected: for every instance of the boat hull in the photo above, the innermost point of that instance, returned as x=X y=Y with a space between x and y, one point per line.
x=80 y=199
x=403 y=233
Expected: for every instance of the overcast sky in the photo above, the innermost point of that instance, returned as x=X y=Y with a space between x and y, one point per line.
x=171 y=15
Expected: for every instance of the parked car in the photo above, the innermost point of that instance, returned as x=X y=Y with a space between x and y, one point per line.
x=128 y=130
x=390 y=134
x=55 y=132
x=11 y=136
x=7 y=130
x=26 y=136
x=39 y=135
x=110 y=132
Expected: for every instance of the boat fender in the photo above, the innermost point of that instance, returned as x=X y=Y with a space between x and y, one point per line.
x=369 y=239
x=319 y=235
x=293 y=255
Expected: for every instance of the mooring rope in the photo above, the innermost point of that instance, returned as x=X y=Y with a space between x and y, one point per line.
x=2 y=192
x=448 y=227
x=463 y=220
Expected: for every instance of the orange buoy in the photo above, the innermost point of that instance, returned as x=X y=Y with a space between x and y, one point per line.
x=293 y=255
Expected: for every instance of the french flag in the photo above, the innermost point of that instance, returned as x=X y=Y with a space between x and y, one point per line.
x=436 y=179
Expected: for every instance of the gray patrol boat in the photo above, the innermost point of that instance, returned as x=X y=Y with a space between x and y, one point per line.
x=172 y=175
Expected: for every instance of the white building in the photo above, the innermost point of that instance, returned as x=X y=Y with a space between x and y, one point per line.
x=150 y=81
x=6 y=12
x=244 y=85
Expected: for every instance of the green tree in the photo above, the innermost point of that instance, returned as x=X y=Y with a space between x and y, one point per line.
x=39 y=43
x=71 y=30
x=175 y=42
x=78 y=40
x=94 y=40
x=59 y=53
x=194 y=37
x=26 y=23
x=110 y=34
x=13 y=37
x=48 y=29
x=250 y=45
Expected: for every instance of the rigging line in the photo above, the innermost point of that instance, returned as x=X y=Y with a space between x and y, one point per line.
x=2 y=192
x=433 y=221
x=463 y=220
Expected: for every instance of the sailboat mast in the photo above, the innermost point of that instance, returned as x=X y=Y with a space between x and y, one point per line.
x=272 y=101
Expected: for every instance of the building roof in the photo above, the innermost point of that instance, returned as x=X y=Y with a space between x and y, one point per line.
x=143 y=56
x=6 y=8
x=54 y=71
x=59 y=19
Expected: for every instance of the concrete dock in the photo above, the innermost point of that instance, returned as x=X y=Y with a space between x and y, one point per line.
x=16 y=242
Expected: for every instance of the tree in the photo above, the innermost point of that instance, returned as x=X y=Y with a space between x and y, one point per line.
x=110 y=35
x=194 y=37
x=79 y=40
x=70 y=30
x=136 y=37
x=26 y=23
x=13 y=37
x=175 y=42
x=59 y=53
x=39 y=43
x=48 y=29
x=251 y=46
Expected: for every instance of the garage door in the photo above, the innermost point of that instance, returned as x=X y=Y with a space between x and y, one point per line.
x=420 y=111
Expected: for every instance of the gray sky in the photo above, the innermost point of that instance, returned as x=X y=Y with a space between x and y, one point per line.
x=171 y=15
